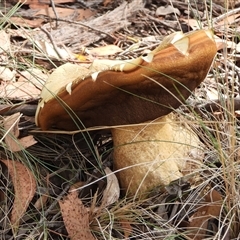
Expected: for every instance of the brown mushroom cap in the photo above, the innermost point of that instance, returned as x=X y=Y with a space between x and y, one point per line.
x=127 y=92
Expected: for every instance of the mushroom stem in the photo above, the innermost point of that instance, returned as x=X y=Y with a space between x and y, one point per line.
x=154 y=154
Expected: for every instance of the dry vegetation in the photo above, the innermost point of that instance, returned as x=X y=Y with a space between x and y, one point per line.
x=38 y=196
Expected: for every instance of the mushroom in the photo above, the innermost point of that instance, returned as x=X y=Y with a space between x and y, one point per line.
x=118 y=92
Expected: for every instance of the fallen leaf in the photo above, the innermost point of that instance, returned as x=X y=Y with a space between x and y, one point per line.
x=126 y=227
x=66 y=12
x=198 y=222
x=33 y=75
x=76 y=217
x=104 y=51
x=14 y=144
x=112 y=192
x=45 y=2
x=24 y=188
x=162 y=11
x=212 y=93
x=106 y=2
x=41 y=202
x=226 y=4
x=221 y=43
x=54 y=52
x=23 y=22
x=238 y=48
x=193 y=23
x=19 y=90
x=20 y=32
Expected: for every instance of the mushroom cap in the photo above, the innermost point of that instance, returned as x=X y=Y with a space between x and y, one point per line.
x=127 y=92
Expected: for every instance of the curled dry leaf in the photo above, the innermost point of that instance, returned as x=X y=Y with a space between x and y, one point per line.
x=53 y=51
x=162 y=11
x=104 y=51
x=112 y=192
x=24 y=189
x=27 y=23
x=193 y=23
x=14 y=144
x=76 y=217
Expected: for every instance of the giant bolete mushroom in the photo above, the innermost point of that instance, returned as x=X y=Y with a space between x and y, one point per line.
x=117 y=92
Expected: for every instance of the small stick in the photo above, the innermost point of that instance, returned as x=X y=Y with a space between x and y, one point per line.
x=25 y=109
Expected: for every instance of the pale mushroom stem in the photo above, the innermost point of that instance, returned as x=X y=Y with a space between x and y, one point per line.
x=154 y=154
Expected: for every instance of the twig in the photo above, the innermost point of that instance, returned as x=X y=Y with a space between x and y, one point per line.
x=84 y=25
x=55 y=12
x=53 y=43
x=223 y=16
x=25 y=109
x=171 y=24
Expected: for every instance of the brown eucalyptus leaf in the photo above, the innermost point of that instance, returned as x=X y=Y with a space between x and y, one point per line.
x=126 y=227
x=11 y=139
x=24 y=189
x=76 y=217
x=112 y=192
x=210 y=209
x=19 y=90
x=104 y=50
x=162 y=11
